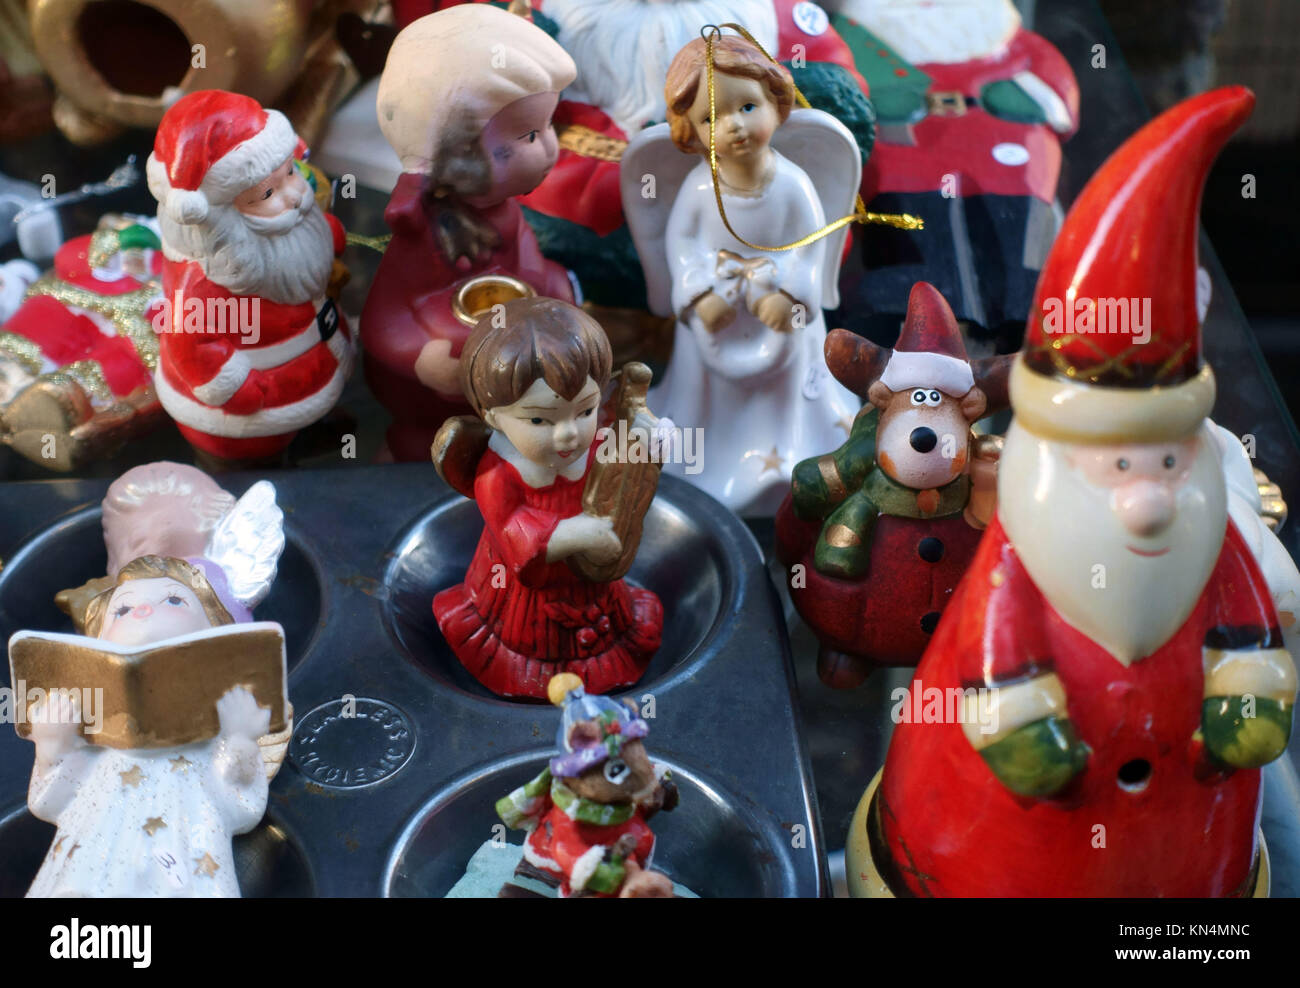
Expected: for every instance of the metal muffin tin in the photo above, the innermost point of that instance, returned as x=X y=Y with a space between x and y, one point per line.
x=398 y=754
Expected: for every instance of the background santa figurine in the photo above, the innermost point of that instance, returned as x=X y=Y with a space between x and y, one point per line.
x=78 y=350
x=878 y=532
x=1131 y=669
x=252 y=347
x=971 y=110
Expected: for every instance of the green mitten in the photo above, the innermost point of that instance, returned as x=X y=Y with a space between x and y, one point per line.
x=1038 y=759
x=843 y=548
x=1241 y=737
x=813 y=494
x=1007 y=100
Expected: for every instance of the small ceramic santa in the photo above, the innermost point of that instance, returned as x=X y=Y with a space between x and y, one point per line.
x=252 y=346
x=1131 y=673
x=78 y=350
x=971 y=112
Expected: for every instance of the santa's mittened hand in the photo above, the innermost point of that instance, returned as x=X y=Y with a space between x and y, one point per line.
x=1039 y=759
x=1245 y=732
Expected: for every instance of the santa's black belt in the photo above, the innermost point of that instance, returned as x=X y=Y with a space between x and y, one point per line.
x=949 y=103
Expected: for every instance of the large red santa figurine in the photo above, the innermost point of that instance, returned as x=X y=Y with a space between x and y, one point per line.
x=1124 y=668
x=622 y=50
x=971 y=111
x=252 y=347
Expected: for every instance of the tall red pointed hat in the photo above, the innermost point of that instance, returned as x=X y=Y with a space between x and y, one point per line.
x=929 y=352
x=1113 y=344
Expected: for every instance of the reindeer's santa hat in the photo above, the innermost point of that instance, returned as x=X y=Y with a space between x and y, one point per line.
x=212 y=145
x=930 y=352
x=1131 y=236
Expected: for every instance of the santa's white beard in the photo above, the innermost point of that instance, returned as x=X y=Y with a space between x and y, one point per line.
x=940 y=32
x=287 y=259
x=1074 y=546
x=623 y=47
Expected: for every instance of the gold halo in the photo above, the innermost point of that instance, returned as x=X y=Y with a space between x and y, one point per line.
x=476 y=297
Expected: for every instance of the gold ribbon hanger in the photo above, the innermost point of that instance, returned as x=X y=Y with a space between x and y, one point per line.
x=860 y=214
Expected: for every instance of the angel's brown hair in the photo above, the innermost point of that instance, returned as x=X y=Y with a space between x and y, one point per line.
x=153 y=567
x=732 y=55
x=533 y=338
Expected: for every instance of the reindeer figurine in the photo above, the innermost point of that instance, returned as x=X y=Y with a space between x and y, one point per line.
x=877 y=534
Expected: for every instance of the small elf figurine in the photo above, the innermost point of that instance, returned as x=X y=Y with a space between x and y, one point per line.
x=252 y=347
x=465 y=99
x=536 y=375
x=147 y=802
x=1124 y=670
x=878 y=532
x=747 y=366
x=78 y=351
x=586 y=813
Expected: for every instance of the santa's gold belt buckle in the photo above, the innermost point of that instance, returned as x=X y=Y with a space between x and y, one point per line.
x=949 y=103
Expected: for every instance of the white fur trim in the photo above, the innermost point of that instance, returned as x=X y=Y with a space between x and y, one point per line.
x=275 y=354
x=269 y=421
x=539 y=860
x=950 y=375
x=228 y=380
x=250 y=162
x=1077 y=412
x=534 y=474
x=586 y=866
x=1053 y=107
x=243 y=166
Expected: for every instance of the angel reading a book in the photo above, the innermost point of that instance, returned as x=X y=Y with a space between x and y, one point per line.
x=194 y=713
x=747 y=365
x=525 y=612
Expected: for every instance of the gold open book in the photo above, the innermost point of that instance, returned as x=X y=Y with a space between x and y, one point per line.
x=159 y=695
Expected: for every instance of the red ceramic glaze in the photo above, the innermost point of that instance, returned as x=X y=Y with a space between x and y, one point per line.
x=952 y=829
x=884 y=615
x=541 y=619
x=948 y=825
x=410 y=303
x=963 y=145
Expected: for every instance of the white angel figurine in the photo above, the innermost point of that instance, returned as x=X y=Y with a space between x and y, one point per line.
x=747 y=365
x=147 y=767
x=176 y=510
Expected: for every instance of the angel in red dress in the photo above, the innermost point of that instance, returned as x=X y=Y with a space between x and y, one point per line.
x=536 y=374
x=466 y=100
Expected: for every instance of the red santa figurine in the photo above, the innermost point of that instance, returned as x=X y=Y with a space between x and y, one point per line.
x=971 y=110
x=77 y=352
x=1123 y=671
x=252 y=347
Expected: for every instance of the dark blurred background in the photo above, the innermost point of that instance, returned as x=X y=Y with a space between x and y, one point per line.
x=1179 y=47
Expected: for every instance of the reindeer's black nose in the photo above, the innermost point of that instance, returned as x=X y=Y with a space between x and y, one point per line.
x=923 y=440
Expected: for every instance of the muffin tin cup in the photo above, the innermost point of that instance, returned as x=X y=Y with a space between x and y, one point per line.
x=398 y=754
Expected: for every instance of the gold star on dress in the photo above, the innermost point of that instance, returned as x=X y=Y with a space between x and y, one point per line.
x=133 y=777
x=206 y=865
x=180 y=762
x=771 y=461
x=75 y=847
x=58 y=844
x=153 y=825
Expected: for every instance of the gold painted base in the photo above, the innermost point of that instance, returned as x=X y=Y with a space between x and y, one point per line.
x=866 y=882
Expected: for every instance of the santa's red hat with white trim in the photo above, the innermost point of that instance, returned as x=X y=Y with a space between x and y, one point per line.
x=212 y=145
x=930 y=352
